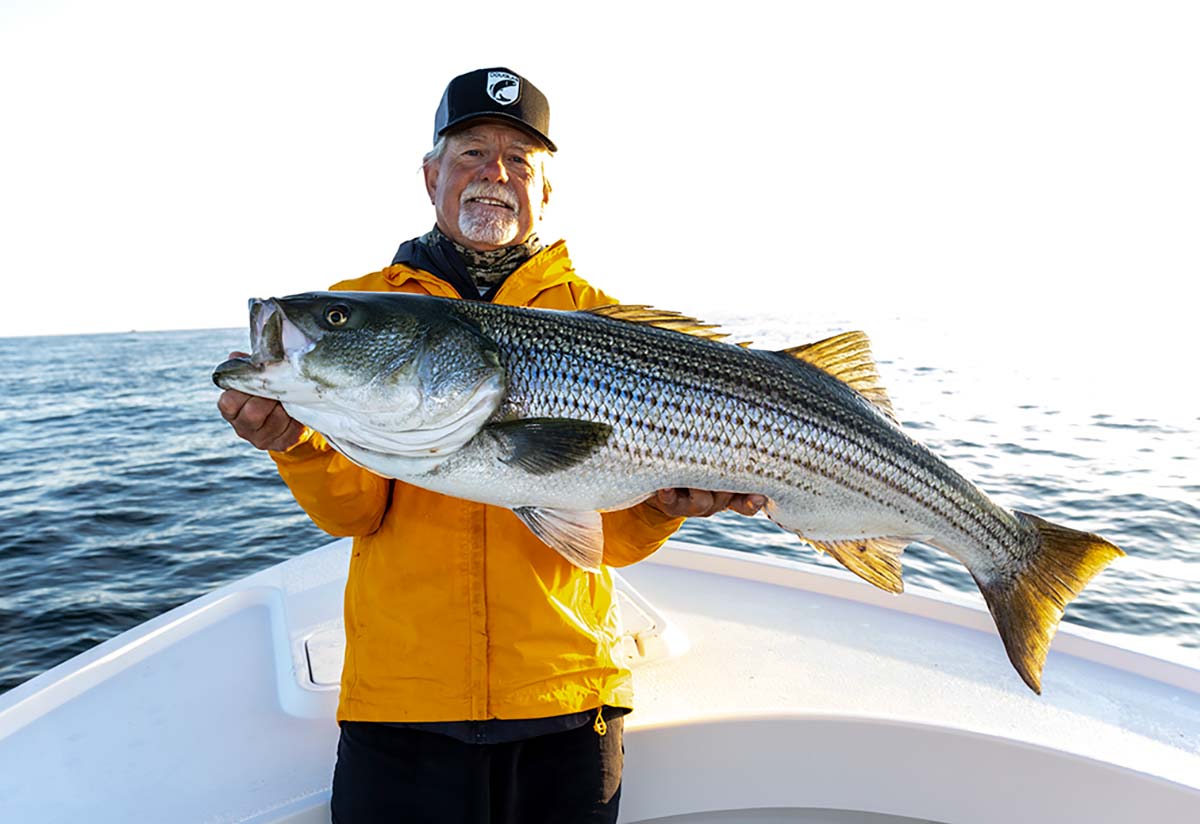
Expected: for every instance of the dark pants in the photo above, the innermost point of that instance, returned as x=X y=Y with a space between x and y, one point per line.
x=391 y=774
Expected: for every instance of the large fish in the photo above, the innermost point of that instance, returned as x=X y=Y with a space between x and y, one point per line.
x=562 y=415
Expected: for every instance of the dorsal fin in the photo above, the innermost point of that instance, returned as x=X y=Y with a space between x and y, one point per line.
x=660 y=319
x=847 y=357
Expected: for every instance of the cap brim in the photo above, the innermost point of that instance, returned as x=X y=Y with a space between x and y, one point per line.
x=499 y=117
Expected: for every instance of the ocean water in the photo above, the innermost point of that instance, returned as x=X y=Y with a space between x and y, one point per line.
x=123 y=493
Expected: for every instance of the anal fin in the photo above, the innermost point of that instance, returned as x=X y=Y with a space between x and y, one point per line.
x=576 y=535
x=875 y=560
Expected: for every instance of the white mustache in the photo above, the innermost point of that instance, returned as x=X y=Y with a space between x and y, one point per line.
x=492 y=191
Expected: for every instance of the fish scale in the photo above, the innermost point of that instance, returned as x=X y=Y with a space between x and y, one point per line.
x=825 y=443
x=561 y=415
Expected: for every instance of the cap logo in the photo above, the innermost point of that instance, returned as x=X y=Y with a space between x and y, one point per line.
x=503 y=87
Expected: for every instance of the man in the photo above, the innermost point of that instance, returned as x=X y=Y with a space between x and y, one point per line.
x=480 y=680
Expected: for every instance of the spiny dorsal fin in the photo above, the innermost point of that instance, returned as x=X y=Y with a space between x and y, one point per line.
x=847 y=357
x=661 y=319
x=875 y=560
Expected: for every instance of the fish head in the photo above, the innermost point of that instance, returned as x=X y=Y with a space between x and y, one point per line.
x=383 y=371
x=279 y=346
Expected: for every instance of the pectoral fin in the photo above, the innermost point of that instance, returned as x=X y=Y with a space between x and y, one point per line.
x=577 y=536
x=544 y=445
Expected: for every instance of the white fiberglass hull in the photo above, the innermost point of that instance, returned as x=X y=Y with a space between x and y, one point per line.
x=766 y=692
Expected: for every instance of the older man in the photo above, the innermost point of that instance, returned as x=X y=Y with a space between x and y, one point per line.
x=481 y=681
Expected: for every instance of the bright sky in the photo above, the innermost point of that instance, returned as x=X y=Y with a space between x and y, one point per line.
x=1024 y=172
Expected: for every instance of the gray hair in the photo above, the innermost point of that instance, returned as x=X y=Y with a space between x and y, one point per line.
x=434 y=154
x=439 y=149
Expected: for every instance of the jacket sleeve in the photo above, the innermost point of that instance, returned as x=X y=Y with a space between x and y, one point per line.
x=633 y=534
x=341 y=498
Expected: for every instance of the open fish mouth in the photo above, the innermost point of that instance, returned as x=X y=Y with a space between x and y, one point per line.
x=273 y=336
x=274 y=339
x=266 y=331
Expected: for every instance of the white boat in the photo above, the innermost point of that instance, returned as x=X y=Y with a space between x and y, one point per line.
x=766 y=692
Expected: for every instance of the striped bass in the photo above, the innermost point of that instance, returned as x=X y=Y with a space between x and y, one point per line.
x=562 y=415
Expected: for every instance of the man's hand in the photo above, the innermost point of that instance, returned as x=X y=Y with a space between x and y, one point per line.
x=261 y=421
x=700 y=503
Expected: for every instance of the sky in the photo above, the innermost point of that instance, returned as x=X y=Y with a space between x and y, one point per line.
x=1023 y=174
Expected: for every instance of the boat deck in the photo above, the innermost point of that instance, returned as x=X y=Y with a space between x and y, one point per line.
x=830 y=694
x=766 y=692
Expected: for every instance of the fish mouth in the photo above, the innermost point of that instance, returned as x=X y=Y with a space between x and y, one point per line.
x=266 y=331
x=229 y=374
x=274 y=339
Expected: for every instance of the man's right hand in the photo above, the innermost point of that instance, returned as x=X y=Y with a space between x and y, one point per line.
x=261 y=421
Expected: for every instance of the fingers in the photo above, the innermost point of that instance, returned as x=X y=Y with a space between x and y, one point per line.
x=747 y=505
x=261 y=421
x=290 y=437
x=710 y=503
x=280 y=430
x=684 y=503
x=700 y=503
x=230 y=403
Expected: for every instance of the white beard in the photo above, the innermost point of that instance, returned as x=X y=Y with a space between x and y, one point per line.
x=486 y=224
x=482 y=224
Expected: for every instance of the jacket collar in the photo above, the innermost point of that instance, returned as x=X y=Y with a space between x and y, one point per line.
x=545 y=270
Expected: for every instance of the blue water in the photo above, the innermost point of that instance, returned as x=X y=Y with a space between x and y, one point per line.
x=125 y=494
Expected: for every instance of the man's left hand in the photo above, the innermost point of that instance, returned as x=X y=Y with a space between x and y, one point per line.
x=700 y=503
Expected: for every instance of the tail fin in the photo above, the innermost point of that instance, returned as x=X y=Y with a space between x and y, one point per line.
x=1028 y=605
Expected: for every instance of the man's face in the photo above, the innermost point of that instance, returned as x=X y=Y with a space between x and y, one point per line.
x=488 y=187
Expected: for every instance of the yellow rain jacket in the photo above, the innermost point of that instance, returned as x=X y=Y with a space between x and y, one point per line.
x=454 y=610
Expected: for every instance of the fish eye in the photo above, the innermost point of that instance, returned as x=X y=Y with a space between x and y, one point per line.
x=337 y=315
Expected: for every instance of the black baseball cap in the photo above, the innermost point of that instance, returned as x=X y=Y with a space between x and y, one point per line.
x=494 y=94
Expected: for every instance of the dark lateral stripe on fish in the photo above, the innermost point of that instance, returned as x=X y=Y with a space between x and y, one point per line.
x=922 y=483
x=857 y=436
x=835 y=439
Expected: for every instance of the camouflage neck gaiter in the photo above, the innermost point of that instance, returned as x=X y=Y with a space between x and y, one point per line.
x=487 y=269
